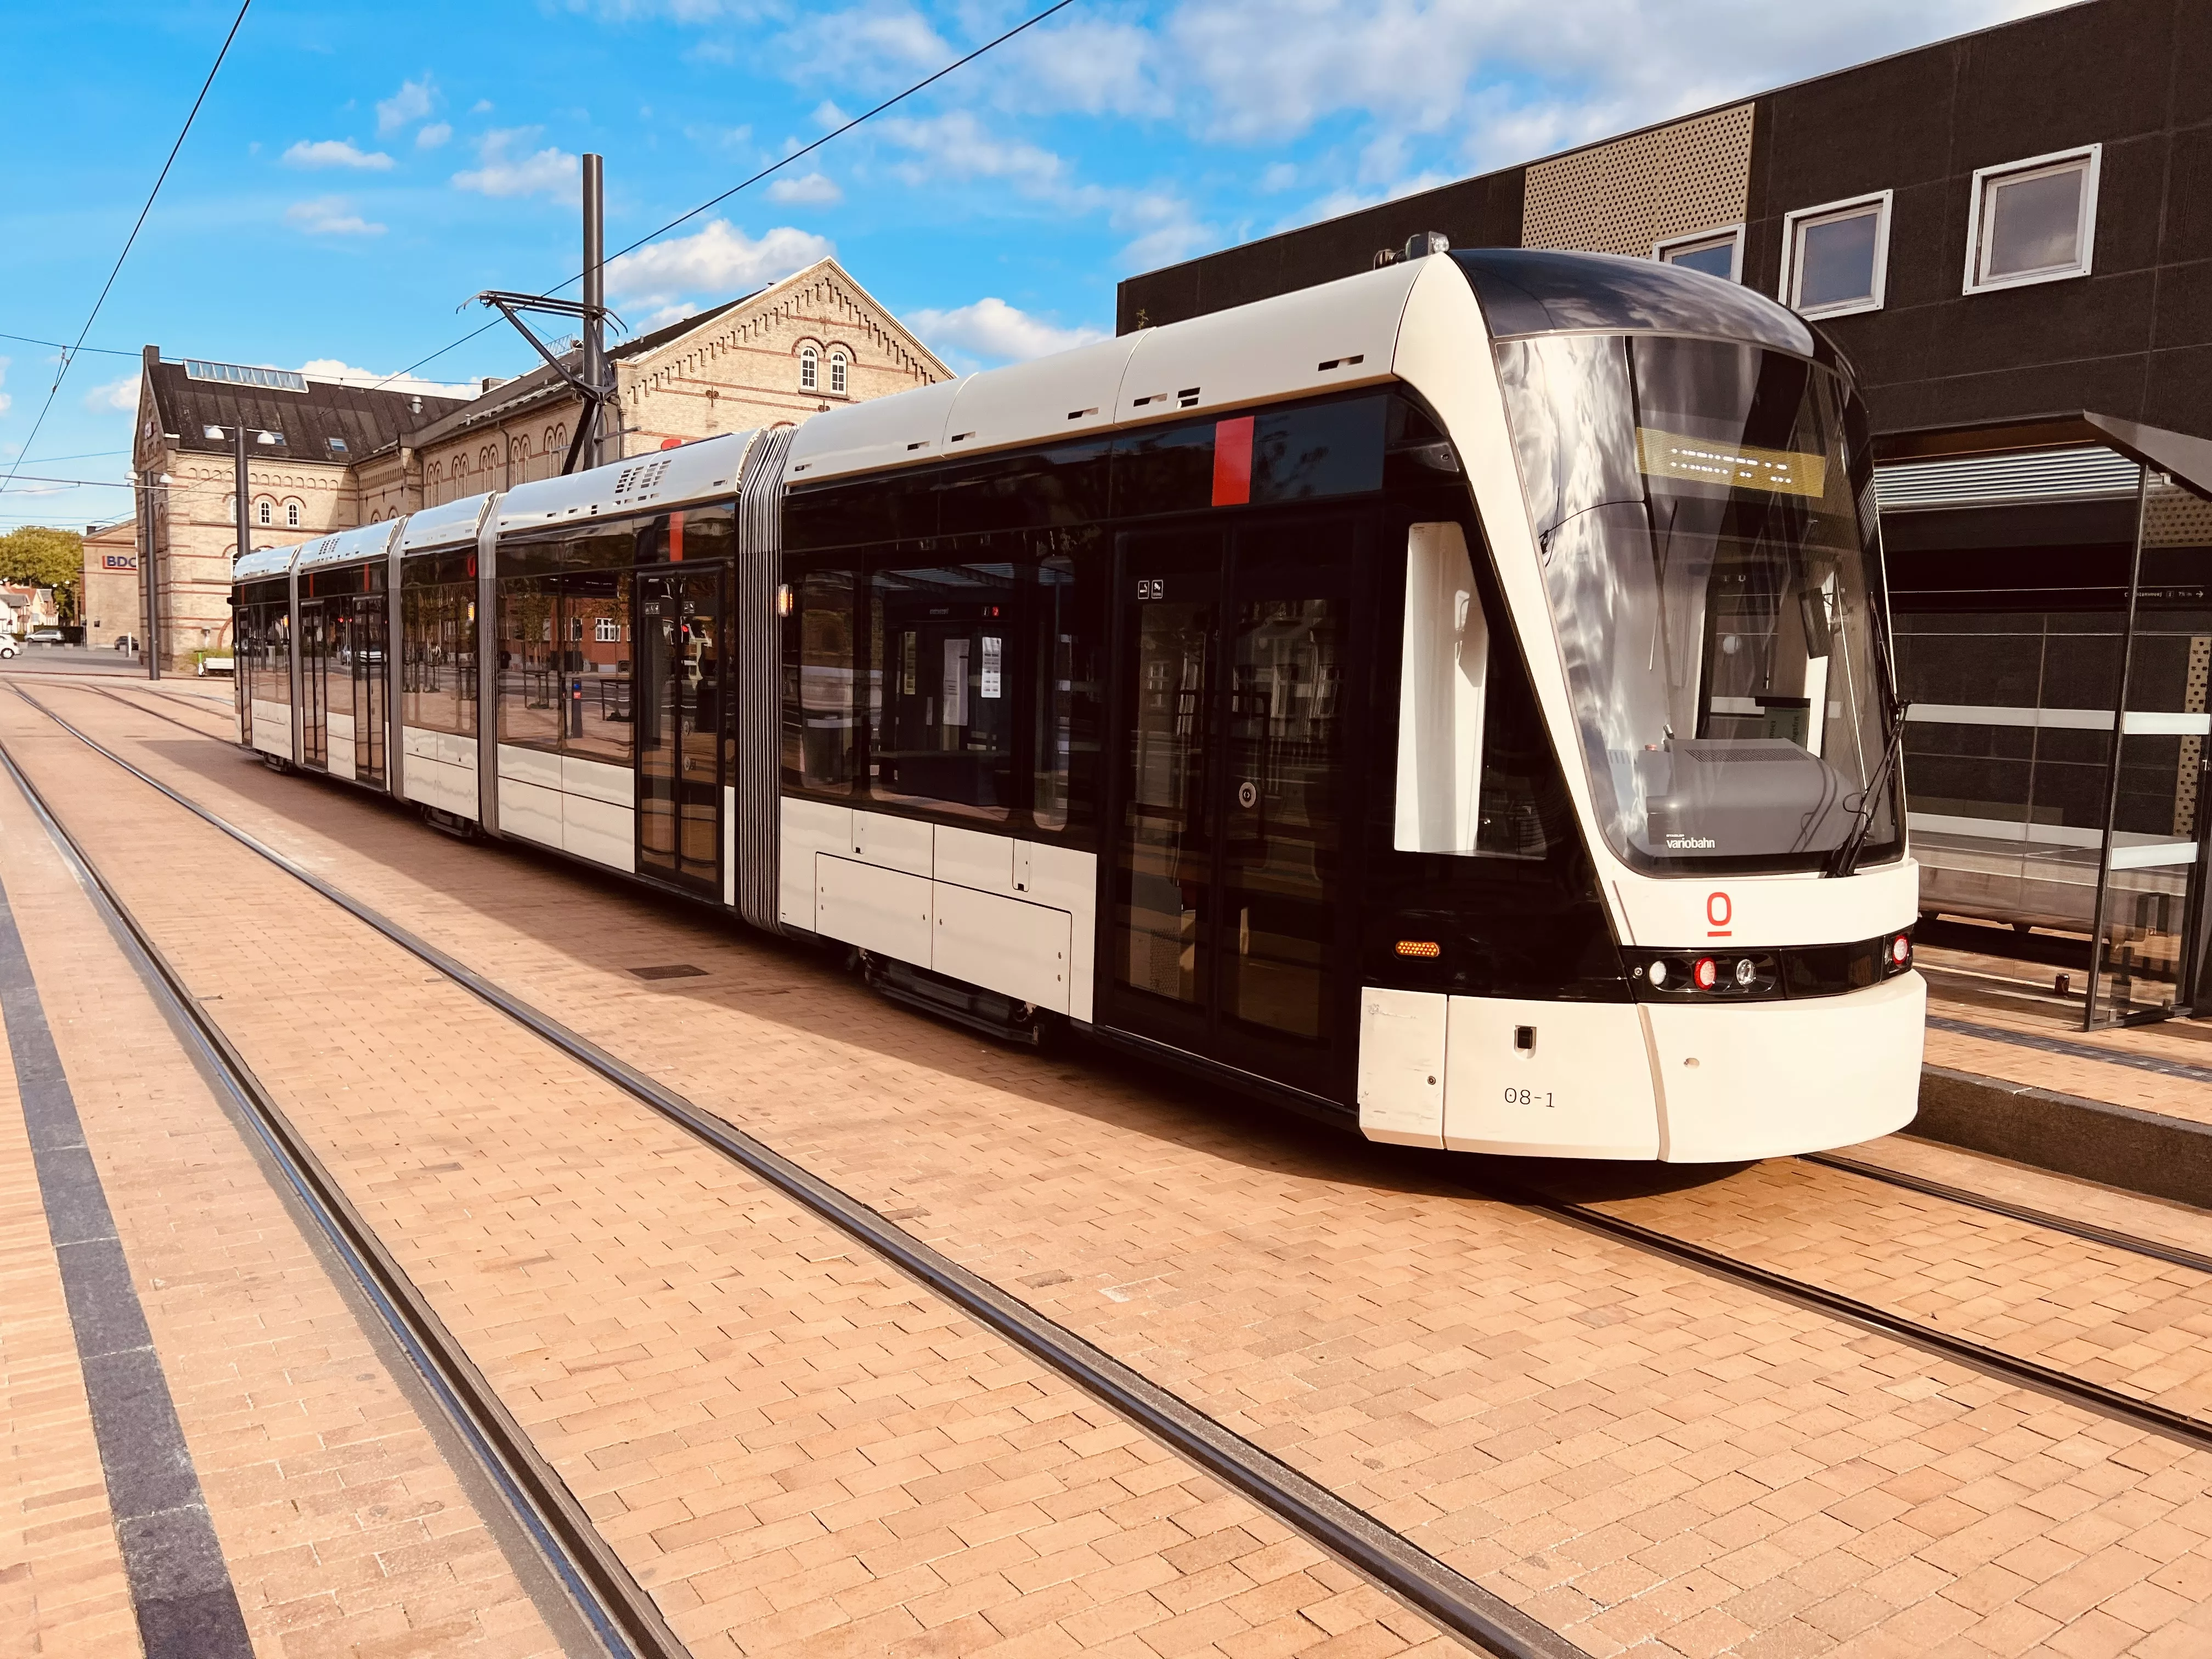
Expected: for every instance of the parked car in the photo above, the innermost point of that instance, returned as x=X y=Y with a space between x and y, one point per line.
x=43 y=636
x=8 y=647
x=126 y=641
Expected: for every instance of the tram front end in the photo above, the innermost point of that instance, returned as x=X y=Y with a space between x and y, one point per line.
x=1647 y=892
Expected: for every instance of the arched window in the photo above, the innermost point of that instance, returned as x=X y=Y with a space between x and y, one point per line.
x=837 y=373
x=810 y=369
x=291 y=515
x=265 y=511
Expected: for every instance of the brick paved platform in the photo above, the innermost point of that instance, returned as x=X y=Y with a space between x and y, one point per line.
x=2011 y=1071
x=793 y=1449
x=797 y=1451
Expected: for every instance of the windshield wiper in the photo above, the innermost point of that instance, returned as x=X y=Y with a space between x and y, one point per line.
x=1846 y=859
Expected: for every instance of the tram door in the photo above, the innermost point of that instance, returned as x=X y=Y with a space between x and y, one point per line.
x=1230 y=930
x=314 y=684
x=679 y=704
x=368 y=628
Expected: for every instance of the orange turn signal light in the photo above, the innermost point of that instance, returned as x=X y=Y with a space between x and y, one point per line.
x=1425 y=948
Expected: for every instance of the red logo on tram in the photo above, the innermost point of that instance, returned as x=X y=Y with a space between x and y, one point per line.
x=1720 y=912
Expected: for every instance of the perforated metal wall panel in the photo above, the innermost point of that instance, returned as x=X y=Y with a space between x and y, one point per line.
x=1623 y=197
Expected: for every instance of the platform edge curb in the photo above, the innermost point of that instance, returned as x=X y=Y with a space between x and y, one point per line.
x=2068 y=1135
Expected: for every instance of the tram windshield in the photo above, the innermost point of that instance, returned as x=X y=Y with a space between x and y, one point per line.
x=1707 y=558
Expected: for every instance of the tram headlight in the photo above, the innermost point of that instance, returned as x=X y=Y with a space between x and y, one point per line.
x=1656 y=973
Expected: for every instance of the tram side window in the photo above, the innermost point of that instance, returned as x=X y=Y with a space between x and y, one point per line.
x=437 y=680
x=821 y=677
x=687 y=537
x=1068 y=639
x=264 y=626
x=941 y=718
x=528 y=678
x=595 y=663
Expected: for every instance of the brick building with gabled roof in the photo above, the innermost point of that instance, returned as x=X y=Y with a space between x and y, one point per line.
x=306 y=436
x=348 y=455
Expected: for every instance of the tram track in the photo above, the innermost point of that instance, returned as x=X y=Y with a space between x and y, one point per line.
x=1290 y=1496
x=619 y=1614
x=2050 y=1220
x=1377 y=1552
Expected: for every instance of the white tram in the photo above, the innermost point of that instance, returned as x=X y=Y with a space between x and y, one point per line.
x=1454 y=702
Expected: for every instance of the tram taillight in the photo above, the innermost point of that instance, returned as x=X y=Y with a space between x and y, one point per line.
x=1901 y=953
x=1706 y=973
x=1426 y=949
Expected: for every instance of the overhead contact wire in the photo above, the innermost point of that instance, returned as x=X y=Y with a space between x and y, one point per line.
x=69 y=356
x=774 y=167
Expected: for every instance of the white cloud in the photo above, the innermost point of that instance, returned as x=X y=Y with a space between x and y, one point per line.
x=550 y=171
x=432 y=135
x=1166 y=229
x=993 y=330
x=338 y=372
x=871 y=45
x=719 y=261
x=330 y=216
x=413 y=100
x=121 y=394
x=957 y=146
x=1088 y=66
x=815 y=190
x=482 y=107
x=336 y=153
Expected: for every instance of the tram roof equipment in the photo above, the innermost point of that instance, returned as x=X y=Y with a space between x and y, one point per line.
x=666 y=478
x=368 y=541
x=1218 y=362
x=450 y=524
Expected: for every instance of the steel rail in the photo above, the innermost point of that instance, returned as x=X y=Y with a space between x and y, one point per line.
x=1374 y=1550
x=620 y=1614
x=73 y=683
x=2027 y=1373
x=2090 y=1230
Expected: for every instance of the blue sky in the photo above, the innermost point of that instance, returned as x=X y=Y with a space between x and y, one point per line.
x=359 y=172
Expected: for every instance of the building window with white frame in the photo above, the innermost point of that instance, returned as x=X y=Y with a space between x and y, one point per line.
x=265 y=511
x=837 y=373
x=605 y=630
x=1717 y=252
x=1835 y=258
x=291 y=515
x=810 y=369
x=2033 y=221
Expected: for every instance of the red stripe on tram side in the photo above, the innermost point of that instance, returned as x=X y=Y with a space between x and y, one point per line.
x=1233 y=462
x=676 y=539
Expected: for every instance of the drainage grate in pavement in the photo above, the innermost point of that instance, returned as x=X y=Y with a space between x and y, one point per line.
x=674 y=970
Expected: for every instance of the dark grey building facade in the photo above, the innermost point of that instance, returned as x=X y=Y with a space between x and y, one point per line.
x=2009 y=235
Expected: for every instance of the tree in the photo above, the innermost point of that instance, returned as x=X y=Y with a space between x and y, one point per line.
x=36 y=556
